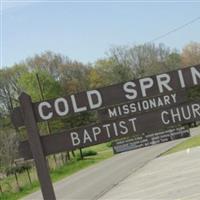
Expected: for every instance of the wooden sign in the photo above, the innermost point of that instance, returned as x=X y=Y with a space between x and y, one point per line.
x=38 y=147
x=144 y=105
x=104 y=132
x=145 y=140
x=111 y=95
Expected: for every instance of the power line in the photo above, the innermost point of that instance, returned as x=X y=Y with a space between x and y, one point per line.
x=175 y=29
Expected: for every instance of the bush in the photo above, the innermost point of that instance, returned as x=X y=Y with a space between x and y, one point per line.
x=89 y=153
x=109 y=144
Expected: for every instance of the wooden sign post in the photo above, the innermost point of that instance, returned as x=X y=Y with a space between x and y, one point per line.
x=36 y=147
x=128 y=100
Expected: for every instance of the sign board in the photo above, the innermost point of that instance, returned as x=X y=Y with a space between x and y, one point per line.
x=104 y=132
x=38 y=147
x=115 y=94
x=145 y=140
x=144 y=105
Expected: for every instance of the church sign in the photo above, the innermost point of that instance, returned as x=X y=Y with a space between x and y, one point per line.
x=107 y=131
x=133 y=90
x=137 y=106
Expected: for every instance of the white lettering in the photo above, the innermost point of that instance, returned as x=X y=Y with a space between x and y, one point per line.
x=184 y=113
x=125 y=129
x=132 y=120
x=182 y=82
x=107 y=129
x=112 y=113
x=99 y=99
x=162 y=117
x=195 y=74
x=145 y=84
x=96 y=131
x=76 y=109
x=75 y=139
x=173 y=97
x=129 y=88
x=41 y=113
x=86 y=137
x=174 y=114
x=196 y=110
x=57 y=108
x=163 y=81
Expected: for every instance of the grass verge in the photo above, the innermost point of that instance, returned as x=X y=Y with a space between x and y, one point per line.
x=189 y=143
x=73 y=166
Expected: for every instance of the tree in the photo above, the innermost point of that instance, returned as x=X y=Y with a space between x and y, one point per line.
x=9 y=90
x=8 y=147
x=50 y=87
x=191 y=54
x=73 y=77
x=107 y=71
x=146 y=59
x=173 y=61
x=47 y=61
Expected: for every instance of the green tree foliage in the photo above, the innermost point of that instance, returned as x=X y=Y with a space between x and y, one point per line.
x=8 y=147
x=47 y=61
x=29 y=83
x=112 y=71
x=143 y=60
x=73 y=77
x=9 y=90
x=191 y=54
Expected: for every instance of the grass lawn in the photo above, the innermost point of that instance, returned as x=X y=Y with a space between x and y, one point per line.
x=73 y=166
x=189 y=143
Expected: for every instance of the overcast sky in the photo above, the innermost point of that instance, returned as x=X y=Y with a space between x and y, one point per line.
x=85 y=31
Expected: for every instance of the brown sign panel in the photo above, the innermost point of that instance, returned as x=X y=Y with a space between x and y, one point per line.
x=144 y=140
x=144 y=105
x=115 y=94
x=104 y=132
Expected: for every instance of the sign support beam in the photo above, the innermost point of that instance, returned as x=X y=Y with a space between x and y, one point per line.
x=36 y=147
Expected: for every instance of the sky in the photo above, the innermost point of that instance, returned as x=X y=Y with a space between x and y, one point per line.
x=86 y=30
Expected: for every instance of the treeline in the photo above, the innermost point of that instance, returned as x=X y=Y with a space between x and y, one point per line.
x=50 y=75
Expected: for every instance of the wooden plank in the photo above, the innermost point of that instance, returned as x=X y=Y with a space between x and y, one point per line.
x=144 y=105
x=35 y=146
x=114 y=94
x=104 y=132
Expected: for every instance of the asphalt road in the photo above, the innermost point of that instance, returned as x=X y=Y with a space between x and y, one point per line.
x=172 y=177
x=95 y=181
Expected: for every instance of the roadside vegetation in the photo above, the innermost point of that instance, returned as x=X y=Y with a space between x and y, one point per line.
x=50 y=75
x=189 y=143
x=92 y=155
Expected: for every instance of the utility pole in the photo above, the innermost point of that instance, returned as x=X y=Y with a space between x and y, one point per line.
x=42 y=98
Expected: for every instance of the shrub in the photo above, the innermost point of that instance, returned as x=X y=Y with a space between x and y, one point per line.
x=89 y=153
x=109 y=144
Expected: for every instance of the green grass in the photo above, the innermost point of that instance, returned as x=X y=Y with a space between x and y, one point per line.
x=73 y=166
x=189 y=143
